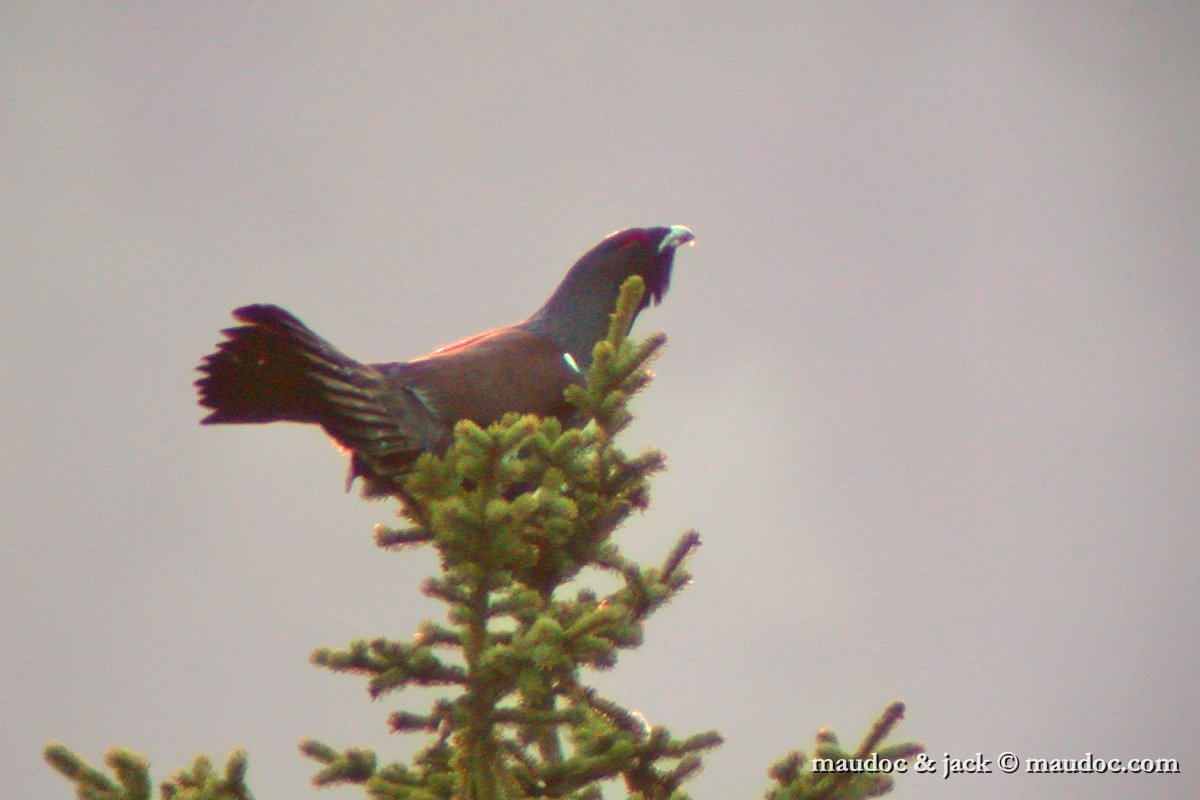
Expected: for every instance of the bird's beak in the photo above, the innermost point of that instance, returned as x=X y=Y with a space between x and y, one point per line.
x=676 y=235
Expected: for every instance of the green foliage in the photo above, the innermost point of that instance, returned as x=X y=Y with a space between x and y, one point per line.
x=521 y=514
x=132 y=773
x=517 y=511
x=795 y=778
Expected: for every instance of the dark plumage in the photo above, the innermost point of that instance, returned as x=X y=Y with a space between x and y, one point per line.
x=273 y=368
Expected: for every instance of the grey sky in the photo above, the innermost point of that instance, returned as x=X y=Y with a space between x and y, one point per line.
x=930 y=398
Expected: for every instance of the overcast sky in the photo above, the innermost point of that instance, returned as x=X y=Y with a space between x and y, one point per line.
x=930 y=396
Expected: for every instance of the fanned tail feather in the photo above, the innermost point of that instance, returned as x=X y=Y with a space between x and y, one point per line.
x=274 y=368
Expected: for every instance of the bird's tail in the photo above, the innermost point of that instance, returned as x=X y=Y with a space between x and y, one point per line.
x=271 y=369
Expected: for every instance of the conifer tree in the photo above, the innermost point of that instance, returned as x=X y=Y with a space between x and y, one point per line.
x=521 y=514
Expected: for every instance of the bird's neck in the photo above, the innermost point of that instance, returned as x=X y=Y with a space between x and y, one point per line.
x=575 y=317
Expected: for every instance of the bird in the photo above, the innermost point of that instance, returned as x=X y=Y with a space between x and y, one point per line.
x=274 y=368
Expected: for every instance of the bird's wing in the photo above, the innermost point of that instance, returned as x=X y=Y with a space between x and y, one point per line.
x=488 y=375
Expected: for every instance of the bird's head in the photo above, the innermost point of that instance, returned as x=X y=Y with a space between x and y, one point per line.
x=576 y=315
x=648 y=252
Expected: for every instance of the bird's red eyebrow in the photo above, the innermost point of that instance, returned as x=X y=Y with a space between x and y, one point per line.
x=630 y=238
